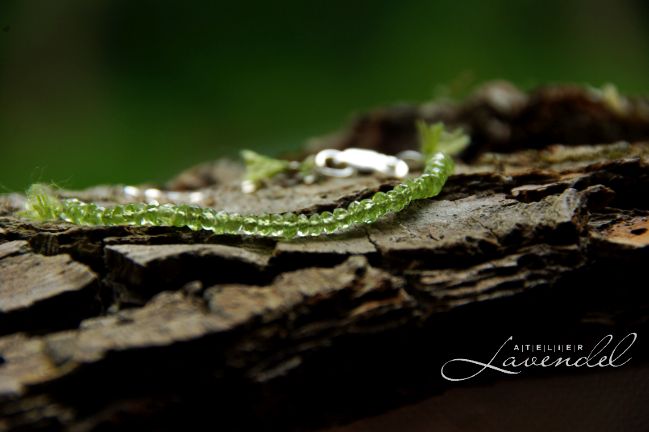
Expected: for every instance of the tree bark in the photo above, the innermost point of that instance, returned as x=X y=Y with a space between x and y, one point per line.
x=542 y=231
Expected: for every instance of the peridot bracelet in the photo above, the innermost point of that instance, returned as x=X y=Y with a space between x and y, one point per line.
x=436 y=146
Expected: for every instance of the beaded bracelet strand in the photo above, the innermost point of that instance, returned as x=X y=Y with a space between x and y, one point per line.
x=42 y=204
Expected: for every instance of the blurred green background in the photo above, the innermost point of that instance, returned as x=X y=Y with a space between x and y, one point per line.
x=134 y=91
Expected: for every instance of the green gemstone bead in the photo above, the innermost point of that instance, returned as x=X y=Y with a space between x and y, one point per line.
x=132 y=208
x=115 y=216
x=341 y=219
x=327 y=217
x=80 y=213
x=329 y=225
x=263 y=221
x=250 y=225
x=371 y=211
x=382 y=201
x=357 y=218
x=277 y=231
x=275 y=227
x=356 y=211
x=179 y=218
x=257 y=224
x=206 y=218
x=397 y=200
x=164 y=214
x=289 y=225
x=380 y=198
x=142 y=216
x=289 y=218
x=265 y=231
x=415 y=188
x=132 y=213
x=405 y=190
x=426 y=183
x=340 y=214
x=193 y=218
x=71 y=211
x=233 y=223
x=275 y=219
x=402 y=188
x=423 y=186
x=289 y=232
x=107 y=216
x=302 y=225
x=217 y=226
x=192 y=215
x=315 y=225
x=353 y=208
x=91 y=214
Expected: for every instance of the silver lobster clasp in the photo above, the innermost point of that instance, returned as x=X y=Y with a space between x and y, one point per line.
x=345 y=163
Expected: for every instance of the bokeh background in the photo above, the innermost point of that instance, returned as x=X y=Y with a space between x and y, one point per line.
x=134 y=91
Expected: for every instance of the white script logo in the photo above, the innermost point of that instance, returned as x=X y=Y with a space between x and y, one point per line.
x=603 y=354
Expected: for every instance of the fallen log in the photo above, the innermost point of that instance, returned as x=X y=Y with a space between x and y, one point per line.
x=542 y=232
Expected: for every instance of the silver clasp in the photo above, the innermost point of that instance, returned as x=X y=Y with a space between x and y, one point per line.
x=345 y=163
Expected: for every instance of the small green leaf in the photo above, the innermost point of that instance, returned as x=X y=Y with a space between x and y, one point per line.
x=260 y=168
x=435 y=138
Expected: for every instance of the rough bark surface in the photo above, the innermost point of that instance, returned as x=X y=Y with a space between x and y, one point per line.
x=544 y=229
